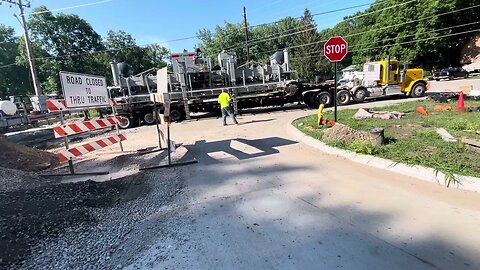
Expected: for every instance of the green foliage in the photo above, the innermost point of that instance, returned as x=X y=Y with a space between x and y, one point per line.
x=362 y=147
x=413 y=139
x=14 y=80
x=406 y=30
x=66 y=42
x=307 y=56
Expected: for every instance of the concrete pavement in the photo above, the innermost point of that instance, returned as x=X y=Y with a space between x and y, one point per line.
x=258 y=199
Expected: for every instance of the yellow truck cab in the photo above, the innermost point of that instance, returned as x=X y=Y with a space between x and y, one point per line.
x=388 y=77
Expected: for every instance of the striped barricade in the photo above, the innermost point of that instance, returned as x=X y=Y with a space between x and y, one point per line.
x=71 y=153
x=56 y=105
x=76 y=128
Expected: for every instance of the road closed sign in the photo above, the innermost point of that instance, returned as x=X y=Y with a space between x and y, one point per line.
x=84 y=91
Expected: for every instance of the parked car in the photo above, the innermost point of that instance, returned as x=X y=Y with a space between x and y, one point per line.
x=450 y=73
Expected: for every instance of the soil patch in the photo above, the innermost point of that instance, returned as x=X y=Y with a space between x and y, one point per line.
x=344 y=134
x=16 y=156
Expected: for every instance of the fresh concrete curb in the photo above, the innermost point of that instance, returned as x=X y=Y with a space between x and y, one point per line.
x=419 y=172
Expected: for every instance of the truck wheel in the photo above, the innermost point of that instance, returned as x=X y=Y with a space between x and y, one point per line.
x=418 y=90
x=128 y=122
x=309 y=99
x=149 y=118
x=360 y=94
x=324 y=98
x=467 y=75
x=176 y=115
x=451 y=77
x=343 y=97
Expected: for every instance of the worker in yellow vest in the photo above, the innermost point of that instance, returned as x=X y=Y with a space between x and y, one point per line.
x=224 y=100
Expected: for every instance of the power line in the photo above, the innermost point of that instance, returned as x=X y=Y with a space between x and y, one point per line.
x=301 y=27
x=418 y=40
x=101 y=51
x=71 y=7
x=312 y=28
x=400 y=43
x=378 y=29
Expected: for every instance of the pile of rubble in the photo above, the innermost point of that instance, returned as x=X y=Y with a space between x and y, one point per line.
x=16 y=156
x=344 y=134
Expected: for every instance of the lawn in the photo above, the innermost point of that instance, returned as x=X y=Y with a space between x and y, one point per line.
x=413 y=139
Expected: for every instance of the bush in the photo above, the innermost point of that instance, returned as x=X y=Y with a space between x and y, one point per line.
x=363 y=147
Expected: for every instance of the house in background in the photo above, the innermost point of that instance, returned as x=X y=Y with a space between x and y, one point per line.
x=471 y=55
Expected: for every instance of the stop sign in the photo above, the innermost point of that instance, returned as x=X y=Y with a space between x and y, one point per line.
x=335 y=49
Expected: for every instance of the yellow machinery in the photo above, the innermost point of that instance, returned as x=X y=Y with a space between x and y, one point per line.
x=387 y=77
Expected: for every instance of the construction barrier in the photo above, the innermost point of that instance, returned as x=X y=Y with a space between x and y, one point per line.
x=57 y=105
x=65 y=130
x=85 y=126
x=163 y=122
x=71 y=153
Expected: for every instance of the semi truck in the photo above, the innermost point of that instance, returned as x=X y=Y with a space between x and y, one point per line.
x=194 y=84
x=384 y=78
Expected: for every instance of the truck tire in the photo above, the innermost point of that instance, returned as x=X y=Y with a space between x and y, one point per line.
x=360 y=94
x=418 y=90
x=309 y=100
x=176 y=115
x=149 y=118
x=128 y=122
x=343 y=97
x=324 y=98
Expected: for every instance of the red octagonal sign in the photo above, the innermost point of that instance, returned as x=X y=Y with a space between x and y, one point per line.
x=335 y=49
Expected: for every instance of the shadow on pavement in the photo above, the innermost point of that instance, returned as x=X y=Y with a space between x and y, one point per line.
x=252 y=219
x=258 y=148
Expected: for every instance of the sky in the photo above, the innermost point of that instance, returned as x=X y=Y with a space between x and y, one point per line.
x=159 y=21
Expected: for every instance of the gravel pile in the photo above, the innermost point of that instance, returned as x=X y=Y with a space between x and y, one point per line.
x=344 y=134
x=116 y=234
x=87 y=225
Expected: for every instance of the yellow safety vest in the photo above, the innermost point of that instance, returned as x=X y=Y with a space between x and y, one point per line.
x=224 y=100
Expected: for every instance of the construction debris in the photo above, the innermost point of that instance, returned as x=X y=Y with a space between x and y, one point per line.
x=438 y=108
x=344 y=134
x=443 y=97
x=473 y=145
x=366 y=113
x=16 y=156
x=445 y=135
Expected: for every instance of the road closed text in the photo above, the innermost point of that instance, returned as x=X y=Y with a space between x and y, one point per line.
x=82 y=90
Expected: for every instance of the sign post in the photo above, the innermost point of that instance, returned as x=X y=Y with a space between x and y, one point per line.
x=83 y=91
x=335 y=49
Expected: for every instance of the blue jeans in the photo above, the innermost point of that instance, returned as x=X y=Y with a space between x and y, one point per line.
x=227 y=111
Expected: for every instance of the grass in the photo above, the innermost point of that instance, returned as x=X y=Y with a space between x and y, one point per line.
x=413 y=139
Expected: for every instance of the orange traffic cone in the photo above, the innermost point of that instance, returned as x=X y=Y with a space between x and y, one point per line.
x=422 y=110
x=461 y=103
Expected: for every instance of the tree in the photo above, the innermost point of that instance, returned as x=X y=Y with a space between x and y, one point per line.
x=64 y=42
x=307 y=53
x=14 y=79
x=122 y=47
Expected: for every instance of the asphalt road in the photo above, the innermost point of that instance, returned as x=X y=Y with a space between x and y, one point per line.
x=259 y=199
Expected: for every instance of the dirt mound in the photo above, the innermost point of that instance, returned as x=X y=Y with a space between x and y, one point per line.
x=16 y=156
x=344 y=134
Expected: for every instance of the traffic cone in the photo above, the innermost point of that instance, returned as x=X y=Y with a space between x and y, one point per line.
x=422 y=110
x=461 y=103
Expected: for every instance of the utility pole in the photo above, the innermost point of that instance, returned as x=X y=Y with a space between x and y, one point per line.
x=31 y=60
x=246 y=32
